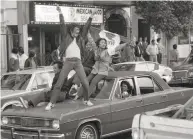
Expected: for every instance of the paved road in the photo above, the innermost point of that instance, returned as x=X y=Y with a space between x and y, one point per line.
x=122 y=136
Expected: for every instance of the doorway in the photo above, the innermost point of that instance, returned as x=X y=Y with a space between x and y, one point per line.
x=117 y=24
x=144 y=29
x=50 y=40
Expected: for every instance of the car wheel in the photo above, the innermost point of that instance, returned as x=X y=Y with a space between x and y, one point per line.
x=87 y=131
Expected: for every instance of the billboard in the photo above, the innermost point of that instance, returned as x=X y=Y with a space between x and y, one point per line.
x=45 y=14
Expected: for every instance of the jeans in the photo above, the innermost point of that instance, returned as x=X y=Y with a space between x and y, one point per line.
x=94 y=79
x=70 y=64
x=159 y=58
x=153 y=58
x=76 y=79
x=45 y=97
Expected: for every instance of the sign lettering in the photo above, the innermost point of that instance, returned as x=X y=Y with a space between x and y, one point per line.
x=48 y=13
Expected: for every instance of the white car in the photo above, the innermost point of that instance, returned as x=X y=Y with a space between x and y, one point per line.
x=164 y=71
x=25 y=83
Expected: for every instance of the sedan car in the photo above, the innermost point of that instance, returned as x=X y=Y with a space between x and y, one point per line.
x=164 y=71
x=24 y=83
x=183 y=74
x=111 y=113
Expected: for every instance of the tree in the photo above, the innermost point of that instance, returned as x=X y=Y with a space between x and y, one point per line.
x=171 y=17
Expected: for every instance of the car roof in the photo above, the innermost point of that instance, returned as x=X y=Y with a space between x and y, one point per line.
x=135 y=62
x=31 y=71
x=117 y=74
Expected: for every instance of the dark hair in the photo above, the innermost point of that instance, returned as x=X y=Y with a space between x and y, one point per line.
x=31 y=54
x=59 y=63
x=21 y=50
x=175 y=46
x=126 y=83
x=72 y=26
x=100 y=39
x=153 y=40
x=14 y=50
x=158 y=39
x=136 y=43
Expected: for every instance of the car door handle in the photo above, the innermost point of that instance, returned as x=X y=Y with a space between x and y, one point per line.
x=140 y=100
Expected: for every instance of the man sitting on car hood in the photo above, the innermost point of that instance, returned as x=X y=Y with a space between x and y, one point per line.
x=45 y=97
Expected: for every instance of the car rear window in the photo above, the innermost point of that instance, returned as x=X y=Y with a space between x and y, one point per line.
x=15 y=81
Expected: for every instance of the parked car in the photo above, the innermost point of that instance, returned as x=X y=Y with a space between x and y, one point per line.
x=164 y=71
x=110 y=114
x=169 y=123
x=25 y=83
x=183 y=74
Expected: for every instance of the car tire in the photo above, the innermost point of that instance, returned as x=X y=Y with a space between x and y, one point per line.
x=87 y=131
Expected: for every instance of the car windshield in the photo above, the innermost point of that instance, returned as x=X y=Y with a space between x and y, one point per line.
x=189 y=60
x=15 y=81
x=104 y=89
x=124 y=67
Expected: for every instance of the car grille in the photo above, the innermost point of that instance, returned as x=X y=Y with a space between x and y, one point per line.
x=180 y=74
x=29 y=122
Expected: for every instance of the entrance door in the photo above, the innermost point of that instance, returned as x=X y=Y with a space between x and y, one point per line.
x=144 y=29
x=117 y=24
x=50 y=43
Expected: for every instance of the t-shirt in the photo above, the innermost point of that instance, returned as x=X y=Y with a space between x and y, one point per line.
x=22 y=60
x=73 y=50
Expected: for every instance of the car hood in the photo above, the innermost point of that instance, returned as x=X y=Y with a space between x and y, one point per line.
x=66 y=108
x=183 y=67
x=9 y=93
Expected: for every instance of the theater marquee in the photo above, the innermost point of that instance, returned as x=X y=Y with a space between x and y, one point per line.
x=47 y=14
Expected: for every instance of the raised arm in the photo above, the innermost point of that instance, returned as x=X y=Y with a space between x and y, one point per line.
x=120 y=47
x=63 y=28
x=91 y=41
x=88 y=24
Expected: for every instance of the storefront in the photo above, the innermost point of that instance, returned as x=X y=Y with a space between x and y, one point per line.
x=42 y=32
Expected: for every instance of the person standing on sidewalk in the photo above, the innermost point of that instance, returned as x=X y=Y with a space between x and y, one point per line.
x=152 y=51
x=72 y=48
x=138 y=52
x=160 y=51
x=14 y=60
x=174 y=57
x=145 y=44
x=22 y=58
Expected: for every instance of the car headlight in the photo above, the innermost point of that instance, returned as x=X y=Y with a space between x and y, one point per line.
x=135 y=134
x=4 y=121
x=56 y=124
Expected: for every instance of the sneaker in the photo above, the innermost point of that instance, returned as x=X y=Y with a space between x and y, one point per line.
x=24 y=103
x=49 y=106
x=89 y=103
x=76 y=97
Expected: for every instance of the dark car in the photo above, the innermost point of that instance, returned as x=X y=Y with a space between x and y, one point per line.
x=111 y=113
x=183 y=74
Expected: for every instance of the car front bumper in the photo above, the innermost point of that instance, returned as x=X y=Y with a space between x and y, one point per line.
x=187 y=81
x=9 y=134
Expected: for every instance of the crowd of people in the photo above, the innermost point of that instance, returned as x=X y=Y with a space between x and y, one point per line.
x=91 y=60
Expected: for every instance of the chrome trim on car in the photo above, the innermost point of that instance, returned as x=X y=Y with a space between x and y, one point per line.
x=40 y=135
x=115 y=133
x=29 y=128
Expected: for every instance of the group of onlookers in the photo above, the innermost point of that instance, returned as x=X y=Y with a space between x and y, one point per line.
x=19 y=60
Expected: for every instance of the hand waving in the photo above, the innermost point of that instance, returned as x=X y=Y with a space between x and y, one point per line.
x=58 y=9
